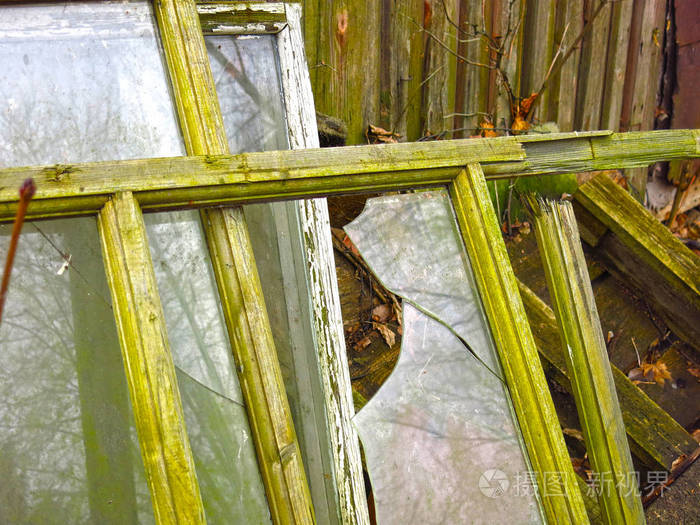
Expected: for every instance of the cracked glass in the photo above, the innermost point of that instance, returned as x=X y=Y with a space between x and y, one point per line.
x=79 y=82
x=247 y=82
x=441 y=442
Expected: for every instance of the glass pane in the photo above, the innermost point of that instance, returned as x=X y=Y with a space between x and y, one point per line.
x=250 y=93
x=439 y=436
x=79 y=82
x=83 y=82
x=217 y=422
x=68 y=448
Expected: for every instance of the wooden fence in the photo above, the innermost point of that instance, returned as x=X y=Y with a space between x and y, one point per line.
x=442 y=68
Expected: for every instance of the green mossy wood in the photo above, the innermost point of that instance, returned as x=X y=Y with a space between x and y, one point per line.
x=643 y=252
x=654 y=436
x=278 y=175
x=534 y=409
x=586 y=359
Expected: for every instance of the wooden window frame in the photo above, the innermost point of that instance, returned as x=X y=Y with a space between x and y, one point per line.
x=118 y=191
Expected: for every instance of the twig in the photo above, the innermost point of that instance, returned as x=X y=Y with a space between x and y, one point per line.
x=26 y=192
x=673 y=476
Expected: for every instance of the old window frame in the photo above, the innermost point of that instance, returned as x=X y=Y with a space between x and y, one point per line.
x=119 y=191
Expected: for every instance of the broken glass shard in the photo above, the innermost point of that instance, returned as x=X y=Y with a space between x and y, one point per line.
x=440 y=438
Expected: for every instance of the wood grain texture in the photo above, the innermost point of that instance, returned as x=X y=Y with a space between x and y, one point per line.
x=539 y=48
x=620 y=25
x=563 y=86
x=258 y=368
x=320 y=369
x=439 y=66
x=591 y=78
x=515 y=345
x=586 y=358
x=654 y=436
x=645 y=253
x=278 y=175
x=242 y=18
x=234 y=266
x=148 y=362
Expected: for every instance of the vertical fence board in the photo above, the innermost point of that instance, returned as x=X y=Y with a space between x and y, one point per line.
x=645 y=81
x=508 y=17
x=538 y=51
x=472 y=80
x=589 y=98
x=406 y=67
x=563 y=85
x=620 y=26
x=439 y=66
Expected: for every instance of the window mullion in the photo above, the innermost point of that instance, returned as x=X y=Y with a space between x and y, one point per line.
x=515 y=345
x=239 y=285
x=148 y=363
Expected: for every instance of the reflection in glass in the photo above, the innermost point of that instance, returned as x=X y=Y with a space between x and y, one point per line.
x=250 y=94
x=439 y=436
x=216 y=418
x=79 y=82
x=68 y=448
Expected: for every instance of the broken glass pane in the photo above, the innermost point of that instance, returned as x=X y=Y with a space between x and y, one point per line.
x=217 y=422
x=440 y=438
x=79 y=82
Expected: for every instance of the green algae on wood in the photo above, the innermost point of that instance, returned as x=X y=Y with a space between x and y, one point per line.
x=242 y=18
x=234 y=266
x=279 y=175
x=532 y=402
x=150 y=371
x=654 y=436
x=587 y=362
x=646 y=254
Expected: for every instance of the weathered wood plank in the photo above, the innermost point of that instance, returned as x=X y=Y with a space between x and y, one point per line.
x=592 y=66
x=440 y=65
x=471 y=80
x=345 y=83
x=243 y=304
x=320 y=369
x=513 y=340
x=645 y=55
x=508 y=17
x=564 y=84
x=277 y=175
x=586 y=358
x=645 y=253
x=241 y=18
x=620 y=25
x=538 y=50
x=406 y=67
x=148 y=363
x=654 y=436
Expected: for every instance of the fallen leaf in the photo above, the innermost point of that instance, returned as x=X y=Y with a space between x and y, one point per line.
x=363 y=343
x=656 y=371
x=350 y=246
x=388 y=335
x=486 y=128
x=574 y=433
x=679 y=460
x=376 y=135
x=382 y=313
x=695 y=370
x=696 y=435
